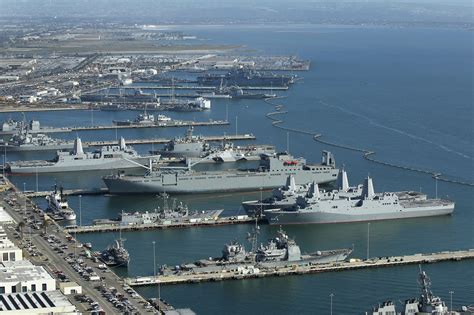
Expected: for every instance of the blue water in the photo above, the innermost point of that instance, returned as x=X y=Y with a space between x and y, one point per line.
x=405 y=93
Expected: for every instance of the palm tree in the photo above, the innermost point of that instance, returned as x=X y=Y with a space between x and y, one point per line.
x=47 y=222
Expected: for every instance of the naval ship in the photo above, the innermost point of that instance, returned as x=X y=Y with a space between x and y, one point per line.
x=116 y=254
x=271 y=173
x=245 y=77
x=58 y=204
x=280 y=251
x=426 y=303
x=187 y=146
x=26 y=141
x=369 y=206
x=177 y=213
x=11 y=127
x=286 y=197
x=113 y=157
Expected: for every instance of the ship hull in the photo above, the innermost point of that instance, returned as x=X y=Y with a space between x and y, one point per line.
x=11 y=148
x=210 y=182
x=320 y=217
x=116 y=164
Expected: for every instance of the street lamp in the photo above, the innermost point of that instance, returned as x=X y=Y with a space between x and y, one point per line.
x=451 y=301
x=80 y=210
x=154 y=274
x=368 y=240
x=331 y=295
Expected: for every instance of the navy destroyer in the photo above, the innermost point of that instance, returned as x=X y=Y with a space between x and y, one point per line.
x=178 y=212
x=271 y=173
x=114 y=157
x=369 y=206
x=26 y=141
x=116 y=254
x=426 y=303
x=280 y=251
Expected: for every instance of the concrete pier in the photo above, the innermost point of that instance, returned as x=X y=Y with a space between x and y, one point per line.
x=165 y=140
x=249 y=272
x=159 y=226
x=177 y=123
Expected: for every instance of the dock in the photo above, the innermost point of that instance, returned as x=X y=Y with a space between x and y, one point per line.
x=251 y=272
x=201 y=88
x=177 y=123
x=166 y=140
x=159 y=226
x=68 y=192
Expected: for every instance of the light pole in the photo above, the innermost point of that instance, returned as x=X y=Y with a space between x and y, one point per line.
x=154 y=274
x=451 y=301
x=36 y=173
x=368 y=240
x=80 y=210
x=236 y=124
x=331 y=295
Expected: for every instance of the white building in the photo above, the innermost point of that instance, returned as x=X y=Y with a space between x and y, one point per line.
x=8 y=250
x=28 y=98
x=36 y=303
x=23 y=276
x=68 y=288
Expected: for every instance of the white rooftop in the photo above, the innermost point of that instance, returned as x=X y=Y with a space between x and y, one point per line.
x=4 y=216
x=35 y=303
x=22 y=271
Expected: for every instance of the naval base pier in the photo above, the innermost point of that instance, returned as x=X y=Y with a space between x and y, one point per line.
x=254 y=271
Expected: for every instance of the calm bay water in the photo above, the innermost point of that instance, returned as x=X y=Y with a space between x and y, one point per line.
x=405 y=93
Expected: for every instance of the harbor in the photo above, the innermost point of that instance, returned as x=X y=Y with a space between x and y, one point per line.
x=255 y=272
x=325 y=177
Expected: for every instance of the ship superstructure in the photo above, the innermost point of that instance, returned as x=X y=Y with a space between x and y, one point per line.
x=114 y=157
x=58 y=204
x=369 y=206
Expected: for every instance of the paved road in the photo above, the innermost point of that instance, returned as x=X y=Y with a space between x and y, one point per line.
x=56 y=262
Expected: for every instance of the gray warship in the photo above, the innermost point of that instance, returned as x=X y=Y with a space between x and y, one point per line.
x=26 y=141
x=426 y=303
x=194 y=150
x=286 y=197
x=115 y=157
x=115 y=254
x=369 y=206
x=280 y=251
x=271 y=173
x=187 y=146
x=178 y=212
x=11 y=127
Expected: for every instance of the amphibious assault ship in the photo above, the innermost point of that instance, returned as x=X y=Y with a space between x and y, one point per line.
x=426 y=303
x=286 y=197
x=369 y=206
x=271 y=173
x=115 y=157
x=280 y=251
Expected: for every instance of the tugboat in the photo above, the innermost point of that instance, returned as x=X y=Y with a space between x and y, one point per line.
x=58 y=204
x=116 y=254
